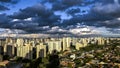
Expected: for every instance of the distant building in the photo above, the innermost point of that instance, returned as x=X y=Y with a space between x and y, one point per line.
x=79 y=45
x=54 y=45
x=20 y=42
x=74 y=40
x=101 y=41
x=10 y=50
x=40 y=50
x=9 y=40
x=25 y=51
x=66 y=42
x=1 y=50
x=85 y=41
x=1 y=58
x=2 y=42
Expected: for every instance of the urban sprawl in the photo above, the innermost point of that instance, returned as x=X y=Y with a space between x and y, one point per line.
x=66 y=52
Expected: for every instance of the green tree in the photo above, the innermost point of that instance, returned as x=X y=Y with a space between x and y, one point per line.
x=1 y=58
x=54 y=60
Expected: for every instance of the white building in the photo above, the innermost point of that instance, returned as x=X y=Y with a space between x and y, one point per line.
x=40 y=50
x=54 y=45
x=66 y=43
x=25 y=51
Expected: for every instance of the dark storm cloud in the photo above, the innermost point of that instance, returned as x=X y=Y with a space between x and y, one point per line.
x=115 y=23
x=3 y=8
x=35 y=10
x=5 y=0
x=102 y=13
x=71 y=2
x=111 y=10
x=45 y=17
x=90 y=19
x=117 y=31
x=106 y=14
x=40 y=17
x=10 y=1
x=44 y=21
x=104 y=1
x=4 y=3
x=4 y=18
x=23 y=24
x=28 y=26
x=73 y=11
x=59 y=6
x=4 y=21
x=64 y=4
x=38 y=12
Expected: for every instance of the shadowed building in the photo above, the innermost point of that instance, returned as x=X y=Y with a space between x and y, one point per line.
x=2 y=42
x=54 y=45
x=1 y=50
x=9 y=47
x=25 y=51
x=10 y=50
x=66 y=42
x=9 y=40
x=101 y=41
x=40 y=50
x=85 y=41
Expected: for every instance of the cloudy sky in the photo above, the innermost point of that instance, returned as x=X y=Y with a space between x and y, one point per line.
x=61 y=17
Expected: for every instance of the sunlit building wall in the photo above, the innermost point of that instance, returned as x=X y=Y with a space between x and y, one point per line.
x=25 y=51
x=40 y=50
x=54 y=45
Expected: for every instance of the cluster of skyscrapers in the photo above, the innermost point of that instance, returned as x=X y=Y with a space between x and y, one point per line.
x=31 y=48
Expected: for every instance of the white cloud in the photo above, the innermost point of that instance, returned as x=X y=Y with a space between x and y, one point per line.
x=15 y=20
x=118 y=18
x=84 y=30
x=10 y=31
x=46 y=27
x=57 y=29
x=100 y=30
x=63 y=15
x=28 y=19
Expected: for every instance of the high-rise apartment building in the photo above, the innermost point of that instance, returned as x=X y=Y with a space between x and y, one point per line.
x=20 y=42
x=101 y=41
x=84 y=41
x=10 y=50
x=79 y=45
x=54 y=45
x=40 y=50
x=66 y=42
x=2 y=42
x=25 y=51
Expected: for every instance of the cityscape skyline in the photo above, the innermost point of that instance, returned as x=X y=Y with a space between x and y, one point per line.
x=59 y=33
x=26 y=45
x=60 y=17
x=59 y=52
